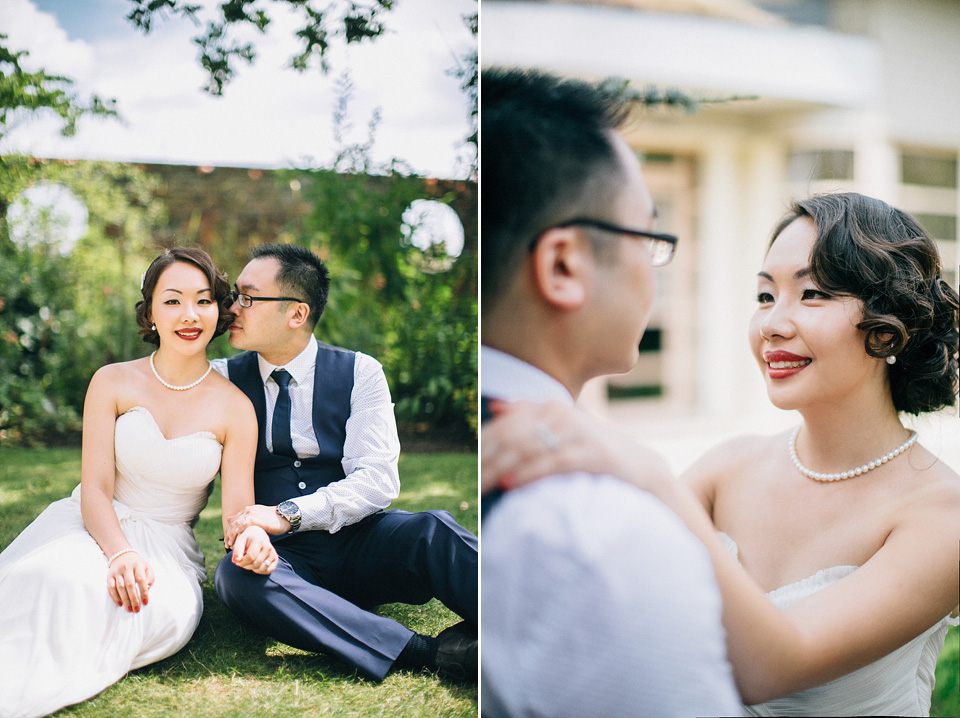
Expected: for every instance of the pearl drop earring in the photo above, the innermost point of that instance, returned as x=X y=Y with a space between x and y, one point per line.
x=154 y=328
x=891 y=359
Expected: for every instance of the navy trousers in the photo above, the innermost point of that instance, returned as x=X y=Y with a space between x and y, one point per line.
x=320 y=596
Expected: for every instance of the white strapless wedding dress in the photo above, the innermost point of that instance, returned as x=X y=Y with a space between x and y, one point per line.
x=899 y=684
x=62 y=638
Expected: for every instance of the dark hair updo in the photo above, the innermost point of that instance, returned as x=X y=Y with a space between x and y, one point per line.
x=868 y=249
x=202 y=261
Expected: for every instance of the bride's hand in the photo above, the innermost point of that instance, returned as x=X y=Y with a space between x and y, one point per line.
x=129 y=579
x=254 y=551
x=526 y=441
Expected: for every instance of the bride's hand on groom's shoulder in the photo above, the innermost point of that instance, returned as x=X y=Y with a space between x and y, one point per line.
x=254 y=551
x=528 y=440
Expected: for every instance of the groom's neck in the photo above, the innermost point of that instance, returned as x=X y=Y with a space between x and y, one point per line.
x=288 y=351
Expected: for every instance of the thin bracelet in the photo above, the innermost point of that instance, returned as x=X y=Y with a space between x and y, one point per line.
x=120 y=553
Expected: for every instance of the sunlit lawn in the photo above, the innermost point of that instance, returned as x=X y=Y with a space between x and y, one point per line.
x=228 y=670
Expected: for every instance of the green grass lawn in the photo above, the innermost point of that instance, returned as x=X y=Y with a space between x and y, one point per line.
x=228 y=670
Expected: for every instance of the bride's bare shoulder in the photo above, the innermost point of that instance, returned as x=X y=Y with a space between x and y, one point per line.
x=118 y=375
x=741 y=450
x=934 y=486
x=731 y=460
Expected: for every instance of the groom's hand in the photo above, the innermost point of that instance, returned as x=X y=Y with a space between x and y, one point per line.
x=266 y=517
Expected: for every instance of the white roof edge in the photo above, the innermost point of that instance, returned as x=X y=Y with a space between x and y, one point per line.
x=802 y=64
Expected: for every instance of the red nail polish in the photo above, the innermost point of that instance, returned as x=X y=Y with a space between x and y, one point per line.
x=137 y=609
x=146 y=601
x=506 y=482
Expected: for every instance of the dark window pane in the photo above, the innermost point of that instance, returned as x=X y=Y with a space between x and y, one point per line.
x=634 y=392
x=652 y=340
x=929 y=170
x=821 y=165
x=941 y=226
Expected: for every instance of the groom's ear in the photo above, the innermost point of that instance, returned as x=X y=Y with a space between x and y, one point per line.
x=300 y=315
x=561 y=266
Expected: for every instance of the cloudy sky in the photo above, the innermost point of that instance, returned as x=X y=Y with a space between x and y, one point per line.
x=269 y=116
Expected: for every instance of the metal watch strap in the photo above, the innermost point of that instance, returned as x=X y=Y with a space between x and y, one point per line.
x=293 y=517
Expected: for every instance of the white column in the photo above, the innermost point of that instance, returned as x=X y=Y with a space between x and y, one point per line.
x=876 y=166
x=718 y=276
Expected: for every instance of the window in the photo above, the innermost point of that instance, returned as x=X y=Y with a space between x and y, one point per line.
x=928 y=170
x=818 y=165
x=940 y=226
x=929 y=192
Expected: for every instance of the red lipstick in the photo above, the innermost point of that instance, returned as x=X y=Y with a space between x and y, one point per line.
x=782 y=364
x=189 y=334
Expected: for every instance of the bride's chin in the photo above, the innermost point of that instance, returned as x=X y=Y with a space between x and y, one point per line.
x=783 y=401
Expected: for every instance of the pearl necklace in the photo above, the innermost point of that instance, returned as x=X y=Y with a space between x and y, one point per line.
x=178 y=388
x=869 y=466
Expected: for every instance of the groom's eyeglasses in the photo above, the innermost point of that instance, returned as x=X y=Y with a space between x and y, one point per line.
x=662 y=246
x=246 y=301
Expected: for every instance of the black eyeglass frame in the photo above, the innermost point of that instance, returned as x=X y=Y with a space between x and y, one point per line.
x=671 y=239
x=250 y=299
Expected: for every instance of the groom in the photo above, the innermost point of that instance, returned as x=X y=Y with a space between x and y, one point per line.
x=326 y=467
x=596 y=599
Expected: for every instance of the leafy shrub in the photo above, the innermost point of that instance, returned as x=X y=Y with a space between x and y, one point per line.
x=946 y=694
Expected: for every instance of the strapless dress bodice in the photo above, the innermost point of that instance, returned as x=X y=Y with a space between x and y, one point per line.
x=899 y=684
x=164 y=479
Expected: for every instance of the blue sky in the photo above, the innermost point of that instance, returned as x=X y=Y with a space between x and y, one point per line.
x=90 y=19
x=270 y=116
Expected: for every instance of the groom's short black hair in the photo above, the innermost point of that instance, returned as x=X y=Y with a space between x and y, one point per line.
x=302 y=274
x=546 y=156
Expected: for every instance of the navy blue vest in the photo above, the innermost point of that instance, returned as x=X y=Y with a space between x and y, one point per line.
x=278 y=478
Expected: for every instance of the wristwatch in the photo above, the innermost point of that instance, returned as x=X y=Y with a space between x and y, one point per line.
x=291 y=512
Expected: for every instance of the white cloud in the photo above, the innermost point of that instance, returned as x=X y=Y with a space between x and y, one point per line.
x=49 y=46
x=269 y=115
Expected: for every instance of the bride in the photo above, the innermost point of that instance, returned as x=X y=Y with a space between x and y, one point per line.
x=108 y=580
x=835 y=544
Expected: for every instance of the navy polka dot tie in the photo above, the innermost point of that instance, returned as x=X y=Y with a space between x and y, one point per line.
x=282 y=443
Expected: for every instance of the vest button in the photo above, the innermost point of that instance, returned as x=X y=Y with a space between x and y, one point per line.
x=296 y=464
x=302 y=485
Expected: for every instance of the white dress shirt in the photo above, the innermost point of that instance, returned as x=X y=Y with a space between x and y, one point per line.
x=370 y=451
x=596 y=599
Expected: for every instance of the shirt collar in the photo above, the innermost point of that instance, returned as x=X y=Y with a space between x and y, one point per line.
x=503 y=376
x=298 y=367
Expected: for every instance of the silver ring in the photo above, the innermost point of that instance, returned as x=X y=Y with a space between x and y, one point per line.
x=548 y=437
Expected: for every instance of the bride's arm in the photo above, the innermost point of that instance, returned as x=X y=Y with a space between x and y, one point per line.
x=907 y=586
x=128 y=570
x=252 y=548
x=902 y=590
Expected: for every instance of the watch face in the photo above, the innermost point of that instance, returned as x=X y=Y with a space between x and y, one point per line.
x=288 y=508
